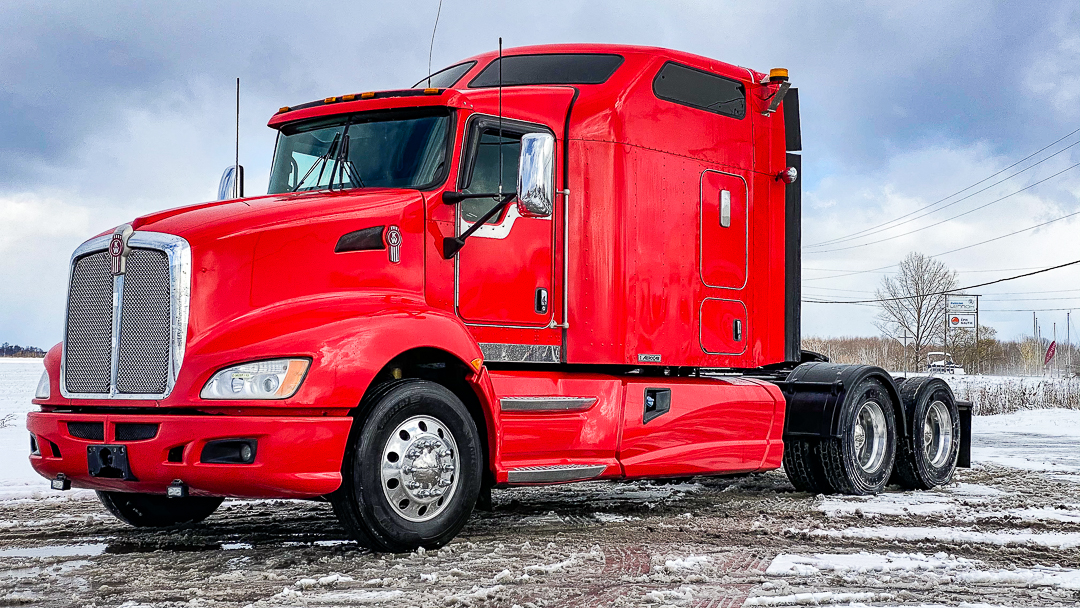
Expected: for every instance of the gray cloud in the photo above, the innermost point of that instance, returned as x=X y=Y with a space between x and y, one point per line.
x=112 y=109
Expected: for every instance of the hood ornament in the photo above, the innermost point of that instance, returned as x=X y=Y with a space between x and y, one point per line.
x=119 y=249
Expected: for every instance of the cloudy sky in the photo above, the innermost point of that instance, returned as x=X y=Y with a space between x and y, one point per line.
x=109 y=110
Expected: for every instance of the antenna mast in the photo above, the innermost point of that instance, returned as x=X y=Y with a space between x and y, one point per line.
x=237 y=191
x=432 y=47
x=500 y=122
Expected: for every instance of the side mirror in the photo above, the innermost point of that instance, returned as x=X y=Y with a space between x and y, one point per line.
x=230 y=187
x=536 y=175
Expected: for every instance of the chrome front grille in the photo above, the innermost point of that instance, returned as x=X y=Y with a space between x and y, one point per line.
x=143 y=366
x=88 y=344
x=126 y=334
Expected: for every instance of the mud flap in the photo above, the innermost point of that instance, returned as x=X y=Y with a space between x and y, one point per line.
x=963 y=459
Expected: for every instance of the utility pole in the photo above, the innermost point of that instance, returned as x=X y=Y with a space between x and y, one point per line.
x=978 y=357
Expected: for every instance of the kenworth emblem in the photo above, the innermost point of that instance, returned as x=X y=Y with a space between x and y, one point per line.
x=393 y=239
x=118 y=249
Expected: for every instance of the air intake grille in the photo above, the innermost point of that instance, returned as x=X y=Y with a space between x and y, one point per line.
x=144 y=324
x=134 y=431
x=126 y=334
x=94 y=431
x=89 y=327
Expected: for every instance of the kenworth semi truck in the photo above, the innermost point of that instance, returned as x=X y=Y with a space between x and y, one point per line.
x=557 y=264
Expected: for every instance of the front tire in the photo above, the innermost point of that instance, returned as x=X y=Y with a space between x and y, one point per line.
x=158 y=511
x=861 y=460
x=412 y=473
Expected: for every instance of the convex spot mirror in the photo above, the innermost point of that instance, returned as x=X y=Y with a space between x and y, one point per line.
x=536 y=175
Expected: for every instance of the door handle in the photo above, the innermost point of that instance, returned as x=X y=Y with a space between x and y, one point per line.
x=725 y=208
x=540 y=305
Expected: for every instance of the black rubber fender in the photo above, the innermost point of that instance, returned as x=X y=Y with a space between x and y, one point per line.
x=816 y=391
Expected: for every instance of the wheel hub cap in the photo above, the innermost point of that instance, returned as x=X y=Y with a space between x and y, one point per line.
x=870 y=436
x=937 y=434
x=419 y=468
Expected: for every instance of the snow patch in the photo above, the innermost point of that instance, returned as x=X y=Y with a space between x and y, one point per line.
x=1053 y=540
x=823 y=597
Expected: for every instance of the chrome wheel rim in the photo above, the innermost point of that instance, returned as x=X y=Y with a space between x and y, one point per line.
x=870 y=436
x=420 y=463
x=937 y=434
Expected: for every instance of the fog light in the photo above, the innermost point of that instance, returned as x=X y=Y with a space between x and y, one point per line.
x=61 y=482
x=230 y=451
x=177 y=489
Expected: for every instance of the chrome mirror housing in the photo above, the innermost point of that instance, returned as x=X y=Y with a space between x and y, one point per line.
x=230 y=187
x=536 y=175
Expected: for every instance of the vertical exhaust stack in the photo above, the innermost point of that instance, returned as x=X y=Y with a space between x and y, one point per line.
x=793 y=231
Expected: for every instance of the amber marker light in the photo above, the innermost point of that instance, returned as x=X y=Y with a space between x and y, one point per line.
x=367 y=95
x=293 y=377
x=348 y=97
x=330 y=100
x=778 y=75
x=477 y=364
x=431 y=91
x=283 y=109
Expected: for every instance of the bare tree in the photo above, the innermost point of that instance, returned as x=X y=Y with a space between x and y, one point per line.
x=913 y=301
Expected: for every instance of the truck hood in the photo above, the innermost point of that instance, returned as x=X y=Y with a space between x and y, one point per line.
x=257 y=253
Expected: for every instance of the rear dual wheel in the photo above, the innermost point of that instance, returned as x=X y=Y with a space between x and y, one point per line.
x=859 y=461
x=412 y=471
x=927 y=457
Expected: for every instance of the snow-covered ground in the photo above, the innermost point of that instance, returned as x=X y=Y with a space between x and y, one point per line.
x=1005 y=394
x=1006 y=533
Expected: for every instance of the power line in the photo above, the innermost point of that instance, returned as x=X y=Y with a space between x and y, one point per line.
x=938 y=223
x=831 y=241
x=996 y=238
x=982 y=310
x=948 y=291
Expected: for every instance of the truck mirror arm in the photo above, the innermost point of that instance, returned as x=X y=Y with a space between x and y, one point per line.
x=451 y=245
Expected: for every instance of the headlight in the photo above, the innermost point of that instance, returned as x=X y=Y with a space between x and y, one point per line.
x=273 y=379
x=42 y=391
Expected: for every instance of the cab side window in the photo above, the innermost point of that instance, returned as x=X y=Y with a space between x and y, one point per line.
x=482 y=173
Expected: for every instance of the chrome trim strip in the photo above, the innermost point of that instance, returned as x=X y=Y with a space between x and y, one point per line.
x=555 y=473
x=520 y=353
x=546 y=404
x=178 y=252
x=118 y=315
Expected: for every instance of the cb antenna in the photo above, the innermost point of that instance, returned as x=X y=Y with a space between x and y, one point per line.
x=500 y=122
x=238 y=186
x=432 y=47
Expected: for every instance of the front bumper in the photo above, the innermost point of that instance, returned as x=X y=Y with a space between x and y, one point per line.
x=297 y=457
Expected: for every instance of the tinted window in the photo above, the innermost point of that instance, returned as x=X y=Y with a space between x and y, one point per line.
x=702 y=90
x=445 y=78
x=562 y=68
x=484 y=174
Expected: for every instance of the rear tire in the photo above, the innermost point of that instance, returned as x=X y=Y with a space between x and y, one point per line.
x=861 y=460
x=412 y=472
x=802 y=463
x=158 y=511
x=926 y=458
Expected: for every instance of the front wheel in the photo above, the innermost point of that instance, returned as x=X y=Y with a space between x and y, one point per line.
x=412 y=473
x=158 y=511
x=861 y=460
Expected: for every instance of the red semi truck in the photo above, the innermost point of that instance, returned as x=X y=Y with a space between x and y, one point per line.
x=562 y=263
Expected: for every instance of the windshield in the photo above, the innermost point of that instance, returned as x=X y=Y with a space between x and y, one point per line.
x=374 y=150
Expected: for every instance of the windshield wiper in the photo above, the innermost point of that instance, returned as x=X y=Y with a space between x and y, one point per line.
x=320 y=162
x=346 y=164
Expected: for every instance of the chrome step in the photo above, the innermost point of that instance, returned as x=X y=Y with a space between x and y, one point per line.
x=555 y=473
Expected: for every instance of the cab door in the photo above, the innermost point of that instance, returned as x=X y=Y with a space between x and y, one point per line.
x=505 y=272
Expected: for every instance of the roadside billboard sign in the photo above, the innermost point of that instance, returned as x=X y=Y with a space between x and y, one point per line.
x=961 y=304
x=962 y=321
